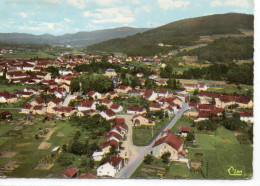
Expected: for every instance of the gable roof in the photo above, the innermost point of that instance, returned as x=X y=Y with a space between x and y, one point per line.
x=184 y=128
x=135 y=108
x=162 y=91
x=155 y=105
x=109 y=112
x=171 y=140
x=86 y=103
x=69 y=172
x=113 y=160
x=148 y=93
x=109 y=143
x=88 y=175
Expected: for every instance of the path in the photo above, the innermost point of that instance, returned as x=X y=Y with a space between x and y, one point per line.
x=135 y=161
x=67 y=100
x=132 y=149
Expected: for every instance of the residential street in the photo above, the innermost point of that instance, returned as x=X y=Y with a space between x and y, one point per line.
x=137 y=159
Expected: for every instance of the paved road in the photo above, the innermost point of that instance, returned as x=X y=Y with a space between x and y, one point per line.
x=67 y=100
x=134 y=163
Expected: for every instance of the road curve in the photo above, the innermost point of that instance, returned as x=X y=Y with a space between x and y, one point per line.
x=135 y=161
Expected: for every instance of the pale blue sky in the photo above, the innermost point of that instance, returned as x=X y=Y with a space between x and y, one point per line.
x=58 y=17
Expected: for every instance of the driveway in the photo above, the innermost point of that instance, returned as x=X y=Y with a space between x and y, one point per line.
x=131 y=149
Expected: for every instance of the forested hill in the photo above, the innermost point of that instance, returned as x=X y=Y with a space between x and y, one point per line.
x=183 y=32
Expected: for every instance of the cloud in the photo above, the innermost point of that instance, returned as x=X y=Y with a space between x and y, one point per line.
x=111 y=15
x=143 y=9
x=172 y=4
x=78 y=3
x=81 y=4
x=240 y=3
x=25 y=15
x=68 y=20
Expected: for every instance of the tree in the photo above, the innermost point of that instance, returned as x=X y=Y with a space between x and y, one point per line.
x=148 y=159
x=150 y=84
x=53 y=70
x=165 y=157
x=213 y=102
x=194 y=99
x=190 y=136
x=77 y=148
x=66 y=159
x=101 y=107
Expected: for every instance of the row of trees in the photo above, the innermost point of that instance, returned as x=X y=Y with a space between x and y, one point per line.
x=224 y=50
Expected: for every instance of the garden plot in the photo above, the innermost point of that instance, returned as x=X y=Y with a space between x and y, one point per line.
x=8 y=154
x=44 y=145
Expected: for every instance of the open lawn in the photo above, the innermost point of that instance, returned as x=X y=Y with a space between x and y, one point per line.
x=12 y=87
x=28 y=56
x=142 y=135
x=183 y=121
x=220 y=152
x=179 y=170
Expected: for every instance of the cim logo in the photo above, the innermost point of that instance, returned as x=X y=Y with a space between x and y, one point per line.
x=234 y=172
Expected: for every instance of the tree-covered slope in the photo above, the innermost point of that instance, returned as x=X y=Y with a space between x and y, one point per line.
x=182 y=32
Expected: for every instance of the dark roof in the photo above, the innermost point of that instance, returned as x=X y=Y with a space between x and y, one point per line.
x=135 y=108
x=86 y=103
x=184 y=128
x=113 y=160
x=155 y=105
x=109 y=112
x=171 y=140
x=109 y=143
x=162 y=91
x=69 y=172
x=88 y=175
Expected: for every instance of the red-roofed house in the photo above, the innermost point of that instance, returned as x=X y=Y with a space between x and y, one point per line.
x=206 y=97
x=71 y=172
x=94 y=94
x=110 y=167
x=203 y=115
x=226 y=100
x=87 y=105
x=106 y=102
x=247 y=116
x=135 y=110
x=108 y=114
x=184 y=130
x=105 y=146
x=150 y=95
x=155 y=106
x=65 y=111
x=162 y=93
x=139 y=119
x=123 y=89
x=116 y=108
x=168 y=143
x=38 y=109
x=88 y=176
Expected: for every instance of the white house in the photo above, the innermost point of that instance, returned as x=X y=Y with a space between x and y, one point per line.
x=110 y=167
x=108 y=114
x=150 y=95
x=87 y=105
x=247 y=116
x=98 y=155
x=94 y=95
x=116 y=108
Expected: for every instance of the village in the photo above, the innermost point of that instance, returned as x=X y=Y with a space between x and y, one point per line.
x=90 y=134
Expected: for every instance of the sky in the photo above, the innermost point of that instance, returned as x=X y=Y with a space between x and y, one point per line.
x=58 y=17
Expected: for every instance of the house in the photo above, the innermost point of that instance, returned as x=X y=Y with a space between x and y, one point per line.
x=98 y=155
x=203 y=115
x=87 y=105
x=161 y=82
x=168 y=143
x=135 y=110
x=94 y=95
x=108 y=114
x=106 y=102
x=88 y=176
x=111 y=94
x=139 y=119
x=162 y=93
x=206 y=97
x=23 y=94
x=31 y=89
x=189 y=86
x=140 y=74
x=6 y=115
x=38 y=101
x=116 y=108
x=26 y=108
x=154 y=106
x=226 y=100
x=110 y=167
x=6 y=97
x=64 y=111
x=150 y=95
x=44 y=75
x=120 y=122
x=169 y=110
x=55 y=102
x=106 y=145
x=205 y=107
x=247 y=116
x=202 y=86
x=123 y=89
x=71 y=172
x=86 y=112
x=194 y=112
x=110 y=72
x=38 y=109
x=184 y=130
x=15 y=75
x=118 y=129
x=111 y=135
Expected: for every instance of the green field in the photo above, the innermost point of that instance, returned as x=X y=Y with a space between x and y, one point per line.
x=12 y=87
x=183 y=121
x=28 y=56
x=231 y=89
x=142 y=135
x=220 y=152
